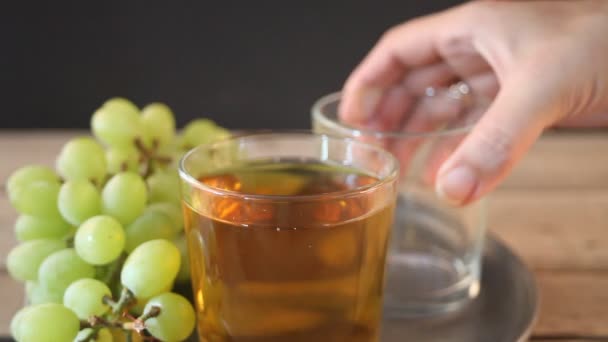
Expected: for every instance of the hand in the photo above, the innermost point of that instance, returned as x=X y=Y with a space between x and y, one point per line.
x=542 y=63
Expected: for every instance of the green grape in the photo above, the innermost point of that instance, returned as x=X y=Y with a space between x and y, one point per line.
x=176 y=150
x=72 y=232
x=16 y=322
x=79 y=200
x=100 y=240
x=85 y=298
x=32 y=228
x=28 y=175
x=202 y=131
x=120 y=104
x=175 y=147
x=140 y=305
x=120 y=335
x=169 y=154
x=159 y=123
x=38 y=199
x=184 y=268
x=47 y=323
x=117 y=123
x=82 y=159
x=120 y=159
x=38 y=294
x=124 y=197
x=151 y=268
x=178 y=143
x=62 y=268
x=173 y=211
x=197 y=132
x=164 y=187
x=103 y=335
x=24 y=260
x=151 y=225
x=176 y=319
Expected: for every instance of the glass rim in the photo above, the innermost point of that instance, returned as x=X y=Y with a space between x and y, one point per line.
x=318 y=114
x=358 y=191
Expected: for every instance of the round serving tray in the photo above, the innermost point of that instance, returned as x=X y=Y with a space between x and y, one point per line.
x=504 y=311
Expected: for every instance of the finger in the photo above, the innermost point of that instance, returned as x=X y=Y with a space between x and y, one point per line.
x=447 y=110
x=464 y=60
x=406 y=46
x=444 y=107
x=435 y=75
x=392 y=108
x=438 y=108
x=396 y=104
x=510 y=126
x=405 y=147
x=440 y=151
x=452 y=136
x=483 y=85
x=403 y=49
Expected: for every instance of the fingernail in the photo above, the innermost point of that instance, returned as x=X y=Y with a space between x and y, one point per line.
x=457 y=185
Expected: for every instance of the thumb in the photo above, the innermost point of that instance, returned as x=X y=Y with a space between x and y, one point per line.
x=498 y=141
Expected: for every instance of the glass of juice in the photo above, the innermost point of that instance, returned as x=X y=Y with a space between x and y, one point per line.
x=434 y=260
x=287 y=235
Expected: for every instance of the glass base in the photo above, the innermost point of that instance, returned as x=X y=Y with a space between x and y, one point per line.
x=420 y=284
x=433 y=265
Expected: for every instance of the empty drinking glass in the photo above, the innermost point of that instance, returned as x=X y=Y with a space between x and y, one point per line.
x=434 y=258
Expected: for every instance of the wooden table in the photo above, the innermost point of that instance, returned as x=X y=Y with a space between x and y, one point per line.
x=552 y=211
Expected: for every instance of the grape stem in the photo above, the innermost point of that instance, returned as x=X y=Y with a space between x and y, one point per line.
x=142 y=148
x=97 y=322
x=153 y=312
x=91 y=336
x=148 y=170
x=126 y=298
x=149 y=155
x=113 y=273
x=69 y=242
x=108 y=301
x=139 y=324
x=119 y=309
x=163 y=159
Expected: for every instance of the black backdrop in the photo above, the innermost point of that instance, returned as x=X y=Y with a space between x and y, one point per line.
x=247 y=64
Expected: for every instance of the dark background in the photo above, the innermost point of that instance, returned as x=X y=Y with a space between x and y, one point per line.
x=248 y=64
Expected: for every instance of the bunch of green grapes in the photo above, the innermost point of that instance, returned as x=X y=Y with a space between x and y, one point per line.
x=101 y=236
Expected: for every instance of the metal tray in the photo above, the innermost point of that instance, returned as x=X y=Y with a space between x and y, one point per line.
x=505 y=310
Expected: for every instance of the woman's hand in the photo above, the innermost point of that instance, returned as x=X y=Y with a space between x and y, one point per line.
x=542 y=62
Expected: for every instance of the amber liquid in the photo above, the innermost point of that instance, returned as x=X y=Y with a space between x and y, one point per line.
x=305 y=270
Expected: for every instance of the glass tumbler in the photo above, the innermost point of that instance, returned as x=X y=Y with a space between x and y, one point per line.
x=434 y=258
x=287 y=236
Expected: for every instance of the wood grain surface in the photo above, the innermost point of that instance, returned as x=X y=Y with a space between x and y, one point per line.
x=552 y=211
